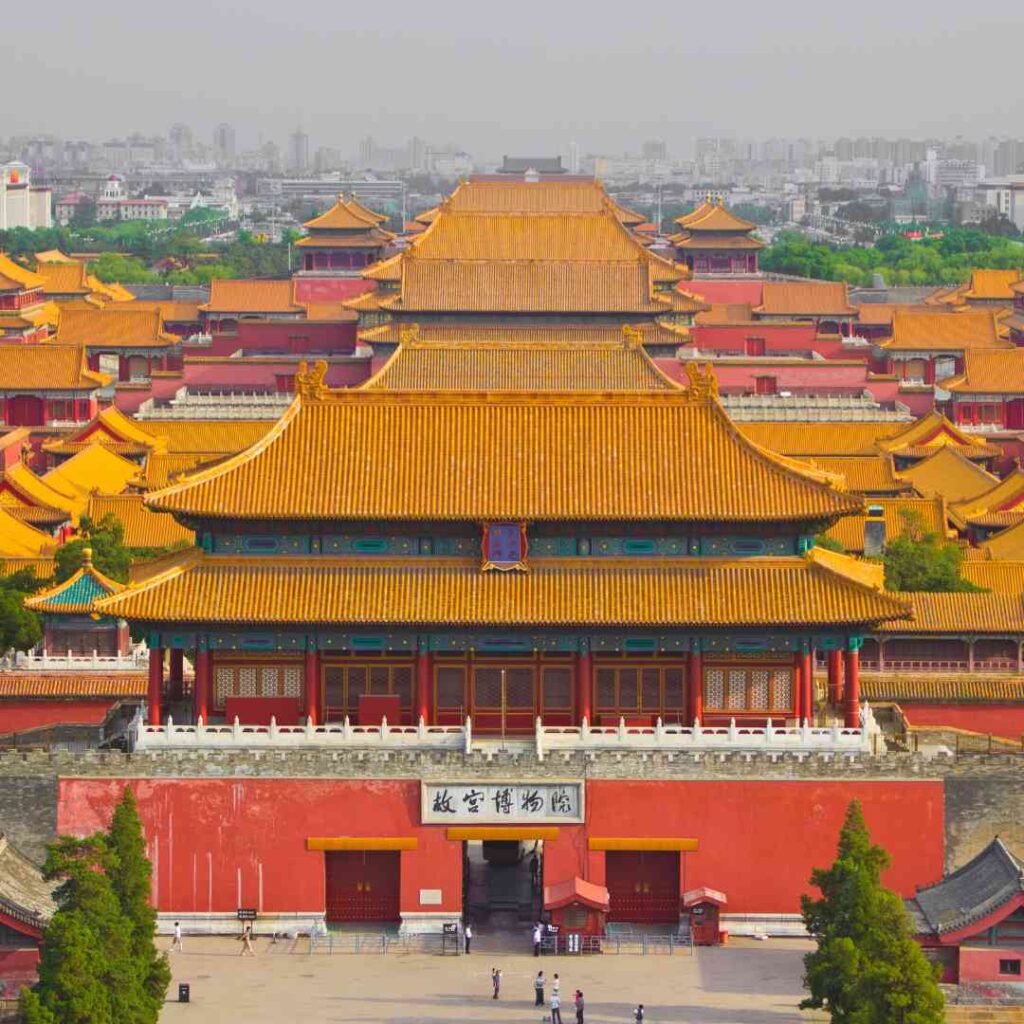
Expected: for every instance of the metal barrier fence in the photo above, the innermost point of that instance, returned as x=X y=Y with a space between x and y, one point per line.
x=381 y=943
x=617 y=942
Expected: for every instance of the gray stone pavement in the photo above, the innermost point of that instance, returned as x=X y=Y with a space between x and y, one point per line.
x=746 y=982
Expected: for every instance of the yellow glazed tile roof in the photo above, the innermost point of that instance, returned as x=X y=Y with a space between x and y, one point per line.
x=670 y=455
x=218 y=437
x=949 y=474
x=711 y=216
x=19 y=540
x=526 y=366
x=53 y=256
x=20 y=486
x=656 y=333
x=251 y=296
x=116 y=326
x=987 y=371
x=899 y=686
x=42 y=568
x=917 y=439
x=82 y=684
x=999 y=576
x=849 y=531
x=64 y=278
x=1007 y=545
x=346 y=215
x=992 y=285
x=954 y=332
x=47 y=367
x=680 y=592
x=94 y=469
x=816 y=440
x=515 y=196
x=960 y=613
x=810 y=298
x=698 y=240
x=111 y=428
x=23 y=279
x=1003 y=496
x=143 y=528
x=872 y=474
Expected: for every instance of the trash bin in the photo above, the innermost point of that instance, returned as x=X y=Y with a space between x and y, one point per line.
x=184 y=993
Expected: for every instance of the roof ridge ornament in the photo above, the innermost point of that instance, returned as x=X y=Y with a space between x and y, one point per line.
x=409 y=335
x=703 y=383
x=310 y=383
x=632 y=337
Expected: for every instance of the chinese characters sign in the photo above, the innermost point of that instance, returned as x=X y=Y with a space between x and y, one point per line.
x=504 y=546
x=491 y=803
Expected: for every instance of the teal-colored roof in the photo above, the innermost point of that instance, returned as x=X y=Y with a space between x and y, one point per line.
x=76 y=594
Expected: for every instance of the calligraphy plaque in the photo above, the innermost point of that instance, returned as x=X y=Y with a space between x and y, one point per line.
x=500 y=803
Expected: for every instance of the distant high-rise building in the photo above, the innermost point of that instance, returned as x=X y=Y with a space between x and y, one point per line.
x=298 y=150
x=654 y=149
x=574 y=157
x=180 y=142
x=224 y=145
x=416 y=154
x=367 y=151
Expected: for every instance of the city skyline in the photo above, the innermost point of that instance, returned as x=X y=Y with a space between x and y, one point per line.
x=536 y=83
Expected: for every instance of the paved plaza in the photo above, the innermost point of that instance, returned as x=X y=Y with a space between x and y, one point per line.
x=746 y=982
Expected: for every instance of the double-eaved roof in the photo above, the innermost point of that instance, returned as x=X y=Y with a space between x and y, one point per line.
x=669 y=455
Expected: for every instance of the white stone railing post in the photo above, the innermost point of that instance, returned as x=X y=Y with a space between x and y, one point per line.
x=469 y=735
x=538 y=733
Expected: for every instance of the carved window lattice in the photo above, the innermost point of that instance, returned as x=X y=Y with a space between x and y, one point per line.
x=759 y=695
x=714 y=688
x=736 y=696
x=782 y=689
x=293 y=681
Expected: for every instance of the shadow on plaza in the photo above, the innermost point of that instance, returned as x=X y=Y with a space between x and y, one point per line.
x=768 y=970
x=598 y=1012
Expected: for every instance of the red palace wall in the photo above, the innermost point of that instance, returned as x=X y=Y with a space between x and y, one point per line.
x=217 y=844
x=1005 y=720
x=15 y=716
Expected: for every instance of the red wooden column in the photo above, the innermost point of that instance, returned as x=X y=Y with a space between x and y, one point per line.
x=835 y=677
x=177 y=673
x=312 y=685
x=808 y=680
x=155 y=689
x=584 y=684
x=424 y=685
x=695 y=687
x=201 y=687
x=851 y=689
x=798 y=687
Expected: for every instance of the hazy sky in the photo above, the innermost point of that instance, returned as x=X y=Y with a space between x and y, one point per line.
x=520 y=76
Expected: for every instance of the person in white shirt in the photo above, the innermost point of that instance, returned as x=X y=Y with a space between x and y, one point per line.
x=538 y=934
x=176 y=944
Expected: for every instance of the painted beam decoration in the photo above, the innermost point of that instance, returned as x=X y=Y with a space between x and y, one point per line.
x=498 y=803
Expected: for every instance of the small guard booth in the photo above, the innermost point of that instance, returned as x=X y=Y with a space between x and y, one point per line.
x=578 y=910
x=704 y=905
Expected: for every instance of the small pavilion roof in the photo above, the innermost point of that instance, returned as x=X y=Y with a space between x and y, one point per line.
x=75 y=595
x=989 y=371
x=19 y=540
x=346 y=215
x=955 y=332
x=94 y=469
x=865 y=474
x=48 y=367
x=53 y=256
x=697 y=592
x=113 y=429
x=805 y=298
x=15 y=277
x=64 y=278
x=704 y=895
x=949 y=474
x=710 y=216
x=992 y=879
x=673 y=451
x=576 y=890
x=923 y=436
x=992 y=285
x=116 y=326
x=521 y=366
x=1008 y=545
x=19 y=486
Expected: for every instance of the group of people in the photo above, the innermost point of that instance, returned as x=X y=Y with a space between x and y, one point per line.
x=555 y=1000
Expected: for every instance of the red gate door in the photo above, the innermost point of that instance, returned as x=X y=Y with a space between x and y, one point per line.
x=643 y=886
x=362 y=885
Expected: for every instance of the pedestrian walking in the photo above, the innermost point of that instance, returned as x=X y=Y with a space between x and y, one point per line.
x=638 y=1014
x=467 y=934
x=538 y=989
x=176 y=944
x=247 y=941
x=579 y=1006
x=556 y=985
x=496 y=980
x=556 y=1009
x=535 y=870
x=538 y=935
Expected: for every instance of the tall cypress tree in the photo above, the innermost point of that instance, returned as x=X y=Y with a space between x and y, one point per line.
x=130 y=877
x=867 y=969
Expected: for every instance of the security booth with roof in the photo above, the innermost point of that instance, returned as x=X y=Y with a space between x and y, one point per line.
x=578 y=910
x=703 y=906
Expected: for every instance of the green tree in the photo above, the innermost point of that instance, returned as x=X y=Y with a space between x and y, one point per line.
x=823 y=540
x=19 y=626
x=130 y=878
x=106 y=539
x=919 y=560
x=867 y=969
